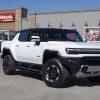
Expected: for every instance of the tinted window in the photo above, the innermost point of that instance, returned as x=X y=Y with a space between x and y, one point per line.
x=50 y=35
x=61 y=35
x=37 y=33
x=71 y=36
x=3 y=36
x=24 y=36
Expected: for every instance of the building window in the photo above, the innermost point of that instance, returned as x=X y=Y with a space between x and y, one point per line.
x=92 y=33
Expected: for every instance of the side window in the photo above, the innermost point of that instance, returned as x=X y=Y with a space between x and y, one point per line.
x=51 y=35
x=24 y=36
x=45 y=37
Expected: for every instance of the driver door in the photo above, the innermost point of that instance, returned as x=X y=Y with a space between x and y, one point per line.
x=27 y=50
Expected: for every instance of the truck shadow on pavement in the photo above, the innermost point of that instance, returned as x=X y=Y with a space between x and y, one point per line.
x=29 y=74
x=82 y=82
x=73 y=81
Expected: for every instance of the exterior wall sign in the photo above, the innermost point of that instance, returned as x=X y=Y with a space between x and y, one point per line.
x=7 y=17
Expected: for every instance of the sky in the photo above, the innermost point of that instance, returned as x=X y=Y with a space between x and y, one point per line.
x=50 y=5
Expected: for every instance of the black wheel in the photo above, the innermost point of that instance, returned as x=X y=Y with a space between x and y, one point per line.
x=54 y=74
x=8 y=65
x=94 y=79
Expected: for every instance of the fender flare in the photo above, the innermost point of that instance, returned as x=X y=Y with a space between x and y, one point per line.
x=48 y=54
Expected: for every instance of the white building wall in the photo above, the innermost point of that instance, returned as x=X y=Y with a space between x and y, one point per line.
x=79 y=18
x=25 y=23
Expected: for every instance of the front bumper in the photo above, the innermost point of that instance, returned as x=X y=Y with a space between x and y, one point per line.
x=88 y=71
x=82 y=67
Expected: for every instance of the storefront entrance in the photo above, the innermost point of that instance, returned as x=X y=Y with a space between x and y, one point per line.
x=6 y=35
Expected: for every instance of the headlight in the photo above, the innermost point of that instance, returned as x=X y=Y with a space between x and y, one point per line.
x=67 y=50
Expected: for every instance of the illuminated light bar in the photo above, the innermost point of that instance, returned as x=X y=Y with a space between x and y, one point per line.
x=83 y=51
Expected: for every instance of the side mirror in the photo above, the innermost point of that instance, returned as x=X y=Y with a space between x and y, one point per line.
x=84 y=40
x=37 y=43
x=35 y=39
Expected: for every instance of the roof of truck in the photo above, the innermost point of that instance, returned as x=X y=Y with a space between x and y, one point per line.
x=47 y=29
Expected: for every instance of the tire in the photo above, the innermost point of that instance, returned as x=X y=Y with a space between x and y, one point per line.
x=8 y=65
x=94 y=79
x=54 y=74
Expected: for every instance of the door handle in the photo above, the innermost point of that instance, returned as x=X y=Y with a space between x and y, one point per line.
x=17 y=45
x=28 y=46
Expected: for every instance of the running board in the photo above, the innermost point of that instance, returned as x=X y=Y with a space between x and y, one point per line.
x=30 y=69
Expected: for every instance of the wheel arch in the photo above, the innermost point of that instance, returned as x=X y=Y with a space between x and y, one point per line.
x=5 y=52
x=49 y=54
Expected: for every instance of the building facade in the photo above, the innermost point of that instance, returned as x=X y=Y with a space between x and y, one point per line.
x=16 y=23
x=87 y=22
x=10 y=22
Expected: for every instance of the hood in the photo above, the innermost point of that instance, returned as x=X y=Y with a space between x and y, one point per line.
x=76 y=44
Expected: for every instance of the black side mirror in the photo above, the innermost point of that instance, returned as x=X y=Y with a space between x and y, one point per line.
x=37 y=43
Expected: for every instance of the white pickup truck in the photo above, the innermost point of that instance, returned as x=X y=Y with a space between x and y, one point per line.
x=55 y=53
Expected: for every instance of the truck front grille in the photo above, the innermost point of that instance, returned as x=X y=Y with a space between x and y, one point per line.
x=83 y=51
x=90 y=60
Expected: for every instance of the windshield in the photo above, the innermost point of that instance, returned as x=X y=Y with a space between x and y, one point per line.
x=71 y=36
x=62 y=35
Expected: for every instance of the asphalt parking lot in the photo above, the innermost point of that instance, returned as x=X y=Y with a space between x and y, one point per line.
x=28 y=86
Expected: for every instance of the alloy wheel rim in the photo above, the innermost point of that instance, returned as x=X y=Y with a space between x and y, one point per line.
x=52 y=73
